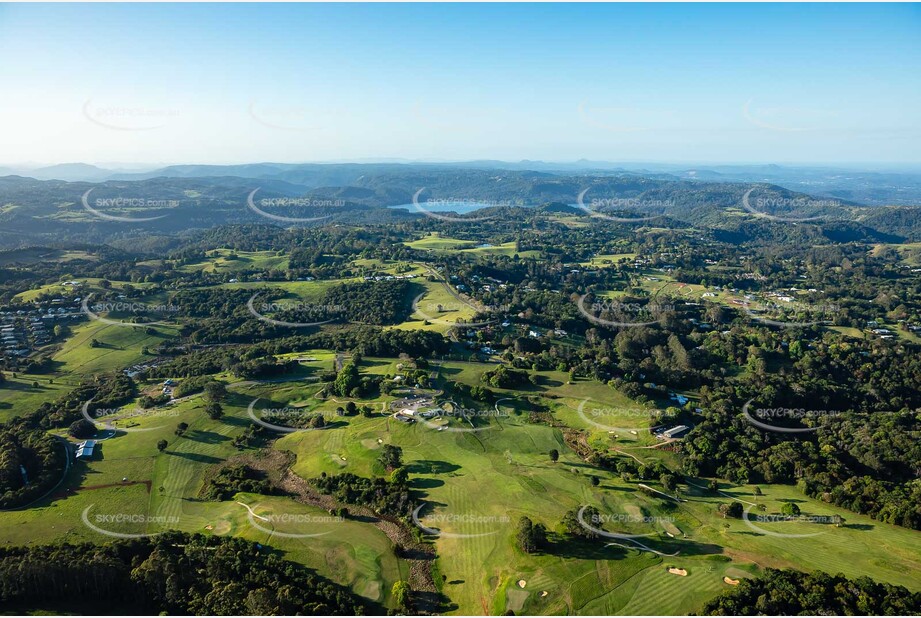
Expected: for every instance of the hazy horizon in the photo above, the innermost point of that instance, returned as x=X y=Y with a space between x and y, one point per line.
x=119 y=166
x=817 y=85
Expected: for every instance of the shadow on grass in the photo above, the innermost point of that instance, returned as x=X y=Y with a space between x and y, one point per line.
x=429 y=466
x=236 y=421
x=197 y=457
x=600 y=548
x=433 y=602
x=421 y=483
x=543 y=380
x=562 y=546
x=206 y=437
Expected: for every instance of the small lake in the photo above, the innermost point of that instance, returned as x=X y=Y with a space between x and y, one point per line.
x=441 y=206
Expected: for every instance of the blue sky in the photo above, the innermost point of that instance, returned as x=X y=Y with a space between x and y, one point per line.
x=227 y=83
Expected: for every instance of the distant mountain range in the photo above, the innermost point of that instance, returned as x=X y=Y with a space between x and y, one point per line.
x=895 y=187
x=177 y=199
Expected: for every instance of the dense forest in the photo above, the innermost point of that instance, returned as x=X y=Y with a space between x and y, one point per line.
x=173 y=573
x=794 y=593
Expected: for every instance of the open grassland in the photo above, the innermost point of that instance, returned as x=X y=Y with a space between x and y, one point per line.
x=436 y=242
x=225 y=260
x=129 y=487
x=32 y=255
x=862 y=546
x=603 y=260
x=507 y=249
x=475 y=485
x=388 y=267
x=349 y=552
x=910 y=253
x=88 y=285
x=20 y=395
x=478 y=484
x=438 y=309
x=303 y=290
x=118 y=347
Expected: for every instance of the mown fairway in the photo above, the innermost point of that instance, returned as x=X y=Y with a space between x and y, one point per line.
x=475 y=485
x=131 y=488
x=480 y=483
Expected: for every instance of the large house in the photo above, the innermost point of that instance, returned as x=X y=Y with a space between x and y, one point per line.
x=674 y=432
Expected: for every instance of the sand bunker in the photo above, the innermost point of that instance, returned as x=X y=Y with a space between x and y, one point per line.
x=730 y=581
x=675 y=571
x=634 y=511
x=543 y=593
x=522 y=583
x=220 y=528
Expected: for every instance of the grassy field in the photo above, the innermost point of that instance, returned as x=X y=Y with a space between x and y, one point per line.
x=481 y=483
x=507 y=249
x=20 y=396
x=129 y=479
x=221 y=260
x=475 y=485
x=32 y=255
x=436 y=242
x=120 y=346
x=910 y=253
x=427 y=315
x=88 y=285
x=608 y=259
x=304 y=290
x=388 y=267
x=495 y=476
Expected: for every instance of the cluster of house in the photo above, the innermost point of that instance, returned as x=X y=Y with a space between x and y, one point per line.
x=389 y=277
x=486 y=287
x=887 y=333
x=536 y=334
x=408 y=415
x=413 y=408
x=139 y=368
x=23 y=330
x=14 y=340
x=884 y=333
